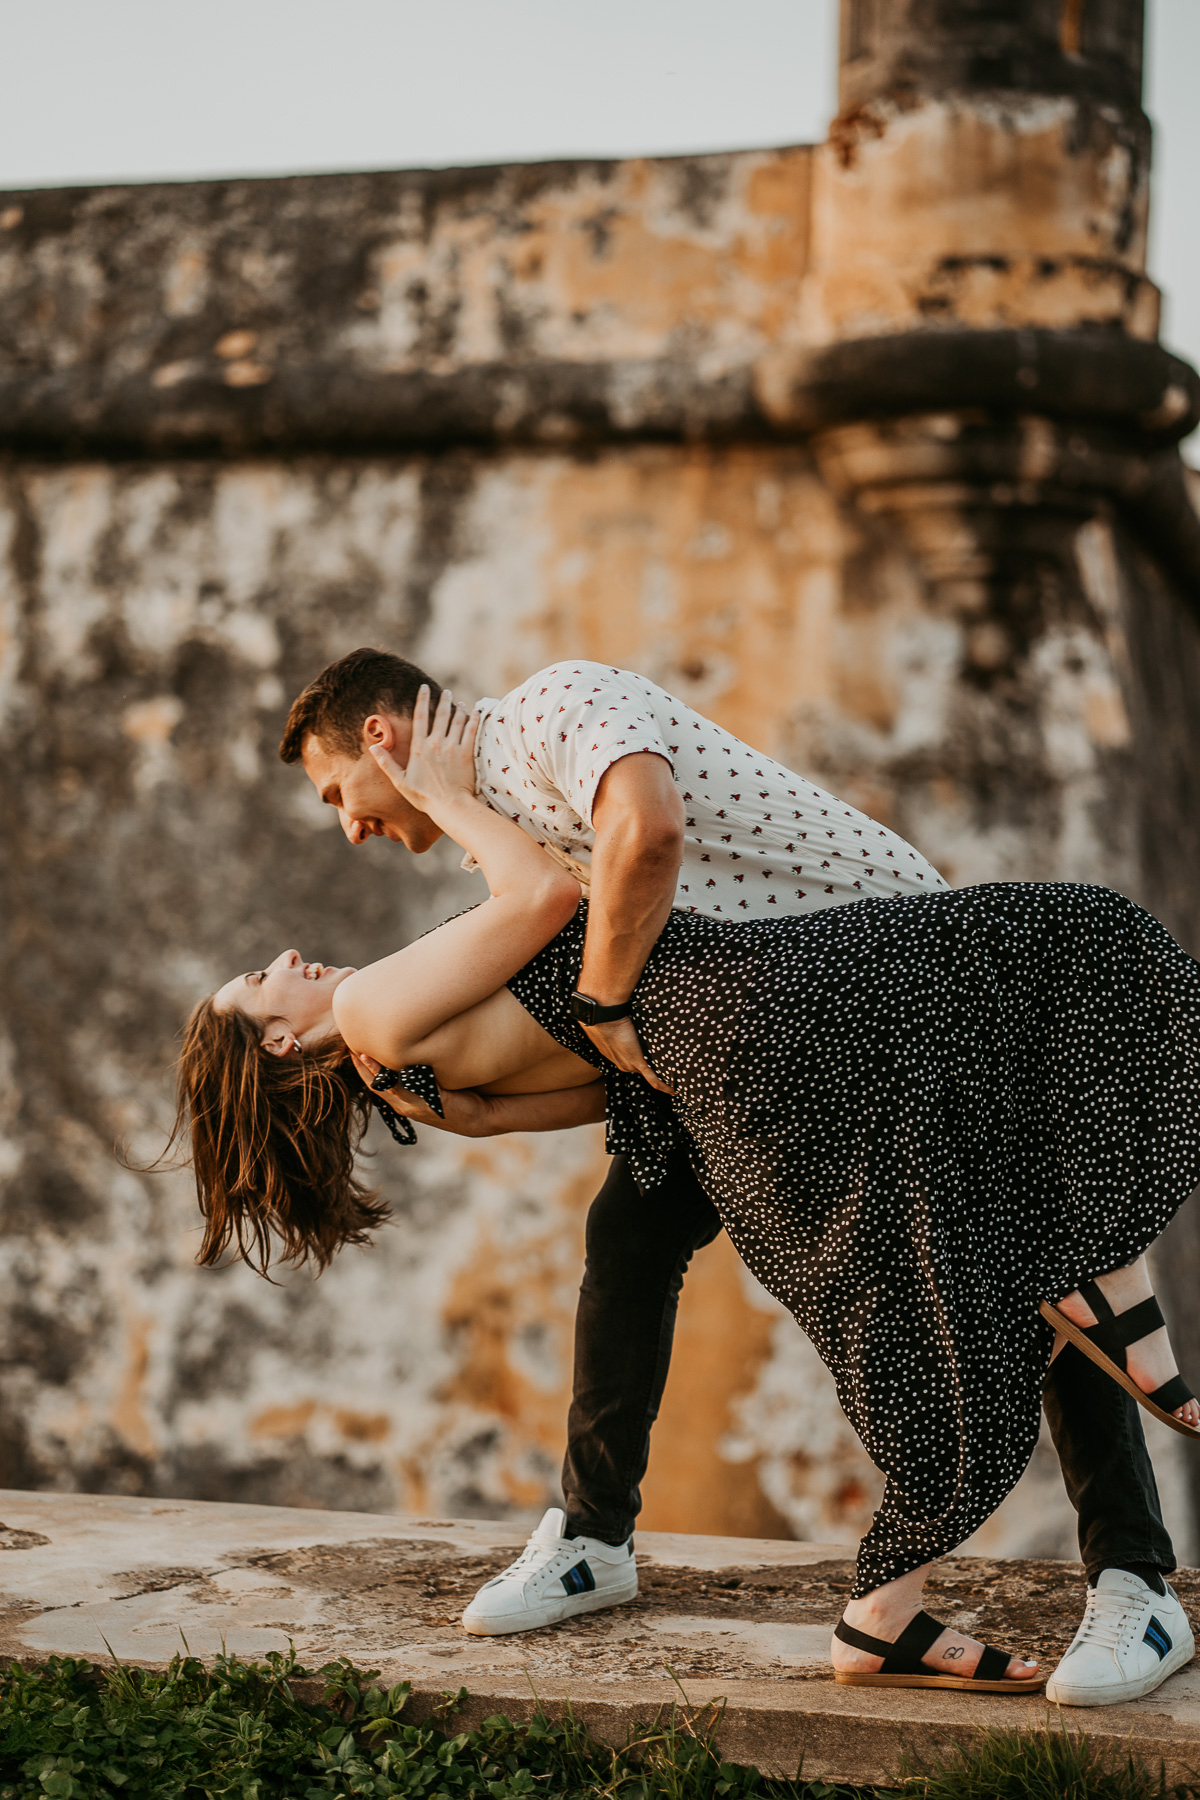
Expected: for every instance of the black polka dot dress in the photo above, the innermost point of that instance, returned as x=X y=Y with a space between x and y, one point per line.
x=918 y=1117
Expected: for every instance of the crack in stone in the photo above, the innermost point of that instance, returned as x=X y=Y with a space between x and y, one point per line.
x=173 y=1579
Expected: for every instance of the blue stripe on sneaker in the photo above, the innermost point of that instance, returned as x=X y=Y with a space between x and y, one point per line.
x=580 y=1580
x=1157 y=1638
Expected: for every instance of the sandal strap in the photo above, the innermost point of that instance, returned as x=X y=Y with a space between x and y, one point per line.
x=992 y=1665
x=1172 y=1394
x=1114 y=1334
x=904 y=1657
x=1095 y=1299
x=861 y=1641
x=918 y=1636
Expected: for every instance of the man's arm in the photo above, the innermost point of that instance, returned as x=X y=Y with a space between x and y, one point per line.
x=471 y=1114
x=638 y=819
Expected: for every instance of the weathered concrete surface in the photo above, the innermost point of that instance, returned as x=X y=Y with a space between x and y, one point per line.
x=1015 y=136
x=488 y=418
x=574 y=303
x=551 y=302
x=737 y=1620
x=159 y=617
x=1033 y=209
x=1055 y=46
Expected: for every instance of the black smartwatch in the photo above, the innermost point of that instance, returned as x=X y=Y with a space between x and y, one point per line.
x=590 y=1012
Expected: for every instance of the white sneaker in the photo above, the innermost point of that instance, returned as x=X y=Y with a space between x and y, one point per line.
x=553 y=1578
x=1130 y=1640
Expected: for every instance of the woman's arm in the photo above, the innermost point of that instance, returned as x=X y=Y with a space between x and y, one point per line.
x=392 y=1006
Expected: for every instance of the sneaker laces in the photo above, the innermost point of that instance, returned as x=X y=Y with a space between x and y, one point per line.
x=1107 y=1617
x=539 y=1554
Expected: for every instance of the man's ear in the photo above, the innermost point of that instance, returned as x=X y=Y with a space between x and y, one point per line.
x=379 y=728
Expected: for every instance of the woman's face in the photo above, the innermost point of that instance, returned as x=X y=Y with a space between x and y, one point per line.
x=292 y=999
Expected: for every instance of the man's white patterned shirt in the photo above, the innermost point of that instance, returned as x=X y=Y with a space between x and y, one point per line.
x=759 y=839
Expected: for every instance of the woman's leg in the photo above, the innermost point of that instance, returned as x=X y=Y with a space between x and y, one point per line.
x=1150 y=1361
x=885 y=1612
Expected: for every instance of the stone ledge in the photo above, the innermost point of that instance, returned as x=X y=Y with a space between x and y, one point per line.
x=739 y=1621
x=311 y=403
x=319 y=407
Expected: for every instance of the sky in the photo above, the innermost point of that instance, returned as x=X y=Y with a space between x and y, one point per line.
x=138 y=90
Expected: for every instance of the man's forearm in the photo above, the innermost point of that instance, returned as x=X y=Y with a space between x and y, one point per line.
x=634 y=876
x=468 y=1113
x=559 y=1110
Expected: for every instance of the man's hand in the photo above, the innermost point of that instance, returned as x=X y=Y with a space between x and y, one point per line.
x=620 y=1043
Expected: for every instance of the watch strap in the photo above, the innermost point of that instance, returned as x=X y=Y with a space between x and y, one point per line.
x=590 y=1012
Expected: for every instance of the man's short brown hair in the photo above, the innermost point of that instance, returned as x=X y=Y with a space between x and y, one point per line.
x=336 y=706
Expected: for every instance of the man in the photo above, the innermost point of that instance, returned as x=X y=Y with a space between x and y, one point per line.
x=652 y=807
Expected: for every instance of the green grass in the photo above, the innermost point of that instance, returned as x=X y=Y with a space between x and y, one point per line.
x=241 y=1730
x=1041 y=1765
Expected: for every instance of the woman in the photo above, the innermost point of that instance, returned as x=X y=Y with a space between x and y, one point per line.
x=921 y=1120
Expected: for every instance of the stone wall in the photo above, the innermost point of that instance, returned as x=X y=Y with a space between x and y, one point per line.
x=168 y=612
x=925 y=537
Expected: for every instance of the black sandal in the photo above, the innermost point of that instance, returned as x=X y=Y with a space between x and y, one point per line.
x=902 y=1665
x=1106 y=1342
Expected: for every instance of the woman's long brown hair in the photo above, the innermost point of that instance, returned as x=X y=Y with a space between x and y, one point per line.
x=273 y=1141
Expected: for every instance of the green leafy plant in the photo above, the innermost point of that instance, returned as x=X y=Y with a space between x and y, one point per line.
x=244 y=1731
x=239 y=1731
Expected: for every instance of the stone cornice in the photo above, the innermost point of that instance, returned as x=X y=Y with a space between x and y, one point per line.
x=1089 y=377
x=1092 y=376
x=330 y=407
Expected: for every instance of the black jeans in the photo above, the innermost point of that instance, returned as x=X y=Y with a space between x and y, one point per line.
x=638 y=1250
